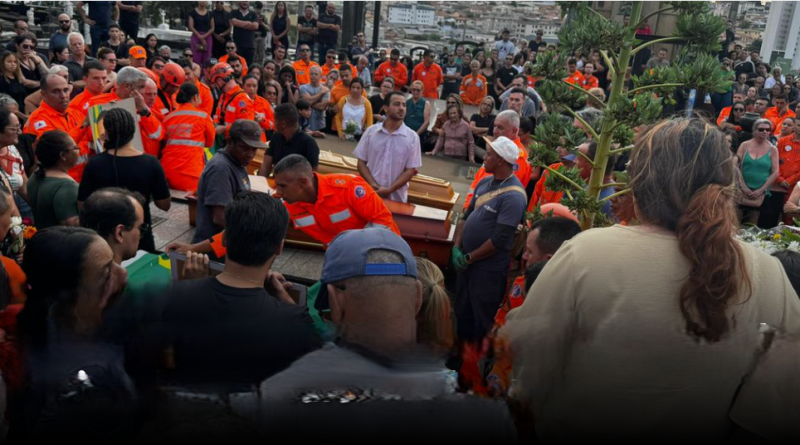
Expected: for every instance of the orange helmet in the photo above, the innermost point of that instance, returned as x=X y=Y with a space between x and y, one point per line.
x=173 y=74
x=559 y=210
x=220 y=71
x=153 y=76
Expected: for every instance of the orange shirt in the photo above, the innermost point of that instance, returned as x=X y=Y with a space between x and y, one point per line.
x=339 y=91
x=224 y=59
x=789 y=153
x=344 y=202
x=234 y=105
x=540 y=194
x=302 y=70
x=46 y=118
x=575 y=78
x=522 y=170
x=399 y=73
x=327 y=69
x=263 y=110
x=777 y=119
x=431 y=77
x=724 y=114
x=188 y=132
x=206 y=99
x=80 y=103
x=473 y=89
x=513 y=300
x=589 y=82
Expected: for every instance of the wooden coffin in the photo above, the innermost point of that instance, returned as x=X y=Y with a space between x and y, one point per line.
x=422 y=190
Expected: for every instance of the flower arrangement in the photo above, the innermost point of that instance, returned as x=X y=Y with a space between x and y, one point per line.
x=772 y=240
x=20 y=232
x=350 y=129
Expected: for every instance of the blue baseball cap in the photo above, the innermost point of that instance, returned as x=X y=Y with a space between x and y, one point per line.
x=346 y=257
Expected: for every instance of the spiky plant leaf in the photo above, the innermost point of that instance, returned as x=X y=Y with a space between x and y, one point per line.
x=642 y=109
x=586 y=31
x=705 y=74
x=701 y=32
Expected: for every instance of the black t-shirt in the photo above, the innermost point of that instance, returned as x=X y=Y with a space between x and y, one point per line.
x=305 y=23
x=30 y=74
x=202 y=23
x=377 y=103
x=533 y=45
x=129 y=17
x=122 y=51
x=244 y=38
x=300 y=144
x=222 y=21
x=226 y=335
x=141 y=174
x=328 y=36
x=506 y=75
x=484 y=122
x=15 y=89
x=100 y=12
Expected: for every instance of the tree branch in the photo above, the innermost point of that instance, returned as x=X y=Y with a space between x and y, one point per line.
x=612 y=69
x=588 y=128
x=644 y=19
x=613 y=184
x=569 y=195
x=614 y=195
x=621 y=150
x=584 y=92
x=651 y=87
x=560 y=175
x=598 y=14
x=654 y=42
x=580 y=153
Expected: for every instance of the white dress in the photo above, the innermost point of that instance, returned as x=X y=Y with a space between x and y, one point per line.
x=353 y=113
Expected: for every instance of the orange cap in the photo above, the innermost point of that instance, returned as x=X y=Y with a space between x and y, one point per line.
x=137 y=52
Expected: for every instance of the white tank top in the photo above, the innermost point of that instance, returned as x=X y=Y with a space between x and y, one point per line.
x=353 y=113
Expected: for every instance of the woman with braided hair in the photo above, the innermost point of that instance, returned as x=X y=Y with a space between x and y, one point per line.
x=121 y=165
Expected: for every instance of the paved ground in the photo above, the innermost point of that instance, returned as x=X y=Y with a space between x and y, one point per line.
x=303 y=264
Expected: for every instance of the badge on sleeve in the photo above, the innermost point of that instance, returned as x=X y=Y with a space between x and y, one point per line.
x=241 y=104
x=39 y=125
x=360 y=192
x=788 y=148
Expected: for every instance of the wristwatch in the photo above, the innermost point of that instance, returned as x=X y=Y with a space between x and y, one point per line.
x=144 y=113
x=468 y=258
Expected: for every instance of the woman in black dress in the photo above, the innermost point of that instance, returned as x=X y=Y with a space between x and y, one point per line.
x=11 y=80
x=121 y=165
x=32 y=66
x=279 y=25
x=201 y=24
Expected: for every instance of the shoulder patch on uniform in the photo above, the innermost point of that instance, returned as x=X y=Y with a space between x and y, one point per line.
x=241 y=104
x=360 y=192
x=340 y=182
x=39 y=125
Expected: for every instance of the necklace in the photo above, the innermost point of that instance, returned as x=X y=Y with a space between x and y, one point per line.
x=243 y=279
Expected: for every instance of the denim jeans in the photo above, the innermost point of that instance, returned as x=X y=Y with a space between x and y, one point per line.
x=99 y=34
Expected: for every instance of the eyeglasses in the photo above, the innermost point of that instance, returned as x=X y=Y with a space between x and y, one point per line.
x=144 y=227
x=188 y=55
x=738 y=110
x=159 y=66
x=230 y=48
x=726 y=64
x=74 y=147
x=330 y=57
x=27 y=46
x=763 y=130
x=111 y=60
x=15 y=129
x=65 y=21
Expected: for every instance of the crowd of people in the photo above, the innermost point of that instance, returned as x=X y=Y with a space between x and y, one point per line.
x=662 y=326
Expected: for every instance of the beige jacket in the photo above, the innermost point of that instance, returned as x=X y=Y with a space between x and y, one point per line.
x=601 y=349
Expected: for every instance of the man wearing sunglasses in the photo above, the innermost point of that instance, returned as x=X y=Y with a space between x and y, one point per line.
x=59 y=38
x=302 y=66
x=393 y=68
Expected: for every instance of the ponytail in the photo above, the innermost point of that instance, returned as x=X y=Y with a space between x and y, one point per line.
x=717 y=265
x=434 y=325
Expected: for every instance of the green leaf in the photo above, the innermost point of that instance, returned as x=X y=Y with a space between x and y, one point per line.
x=644 y=108
x=587 y=30
x=705 y=74
x=622 y=178
x=556 y=184
x=701 y=31
x=554 y=131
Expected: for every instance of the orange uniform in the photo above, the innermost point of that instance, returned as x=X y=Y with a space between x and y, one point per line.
x=302 y=70
x=344 y=202
x=473 y=89
x=513 y=300
x=723 y=115
x=164 y=105
x=234 y=105
x=540 y=193
x=399 y=73
x=46 y=118
x=188 y=132
x=522 y=170
x=149 y=126
x=575 y=78
x=224 y=59
x=431 y=77
x=263 y=111
x=777 y=118
x=339 y=91
x=589 y=82
x=80 y=103
x=206 y=99
x=327 y=69
x=789 y=153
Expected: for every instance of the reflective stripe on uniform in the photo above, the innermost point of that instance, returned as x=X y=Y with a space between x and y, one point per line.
x=185 y=142
x=82 y=160
x=305 y=221
x=186 y=113
x=155 y=135
x=340 y=216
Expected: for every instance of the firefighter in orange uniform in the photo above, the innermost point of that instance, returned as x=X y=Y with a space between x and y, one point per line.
x=131 y=84
x=206 y=98
x=322 y=206
x=430 y=74
x=54 y=114
x=264 y=114
x=302 y=67
x=234 y=103
x=392 y=68
x=188 y=132
x=170 y=79
x=95 y=78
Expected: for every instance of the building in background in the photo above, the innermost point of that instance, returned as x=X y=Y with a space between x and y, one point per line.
x=781 y=38
x=412 y=14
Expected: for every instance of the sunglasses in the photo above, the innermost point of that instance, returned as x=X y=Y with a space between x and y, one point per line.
x=27 y=46
x=330 y=57
x=65 y=21
x=763 y=130
x=111 y=60
x=230 y=48
x=738 y=110
x=187 y=54
x=158 y=66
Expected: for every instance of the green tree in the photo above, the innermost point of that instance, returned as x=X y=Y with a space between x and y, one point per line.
x=587 y=30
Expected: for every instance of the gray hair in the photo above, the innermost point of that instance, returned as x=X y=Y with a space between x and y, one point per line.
x=130 y=75
x=363 y=58
x=57 y=69
x=293 y=162
x=164 y=47
x=75 y=34
x=509 y=116
x=6 y=100
x=590 y=115
x=762 y=121
x=315 y=67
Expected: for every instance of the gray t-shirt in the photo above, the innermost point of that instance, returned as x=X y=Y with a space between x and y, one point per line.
x=317 y=121
x=221 y=180
x=506 y=209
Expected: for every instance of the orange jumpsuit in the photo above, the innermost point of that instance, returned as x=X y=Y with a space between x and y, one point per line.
x=398 y=72
x=80 y=103
x=302 y=70
x=45 y=118
x=431 y=77
x=344 y=202
x=234 y=105
x=188 y=132
x=327 y=69
x=777 y=119
x=522 y=170
x=589 y=82
x=575 y=78
x=149 y=127
x=473 y=89
x=264 y=111
x=206 y=98
x=540 y=194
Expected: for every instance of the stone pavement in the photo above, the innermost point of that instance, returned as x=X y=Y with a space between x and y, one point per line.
x=305 y=265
